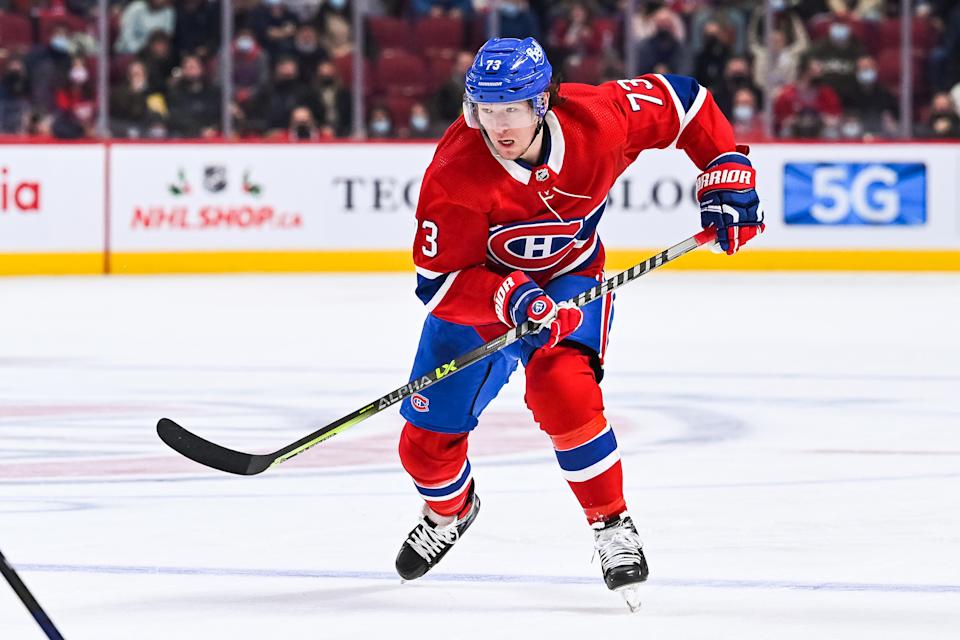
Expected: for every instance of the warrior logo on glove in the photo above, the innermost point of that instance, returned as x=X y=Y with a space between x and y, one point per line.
x=728 y=200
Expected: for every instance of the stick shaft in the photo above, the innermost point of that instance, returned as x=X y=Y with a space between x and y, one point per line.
x=28 y=600
x=503 y=341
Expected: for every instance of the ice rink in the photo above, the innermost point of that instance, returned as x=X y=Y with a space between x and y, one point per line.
x=800 y=481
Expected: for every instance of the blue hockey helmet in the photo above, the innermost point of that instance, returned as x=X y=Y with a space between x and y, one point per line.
x=508 y=70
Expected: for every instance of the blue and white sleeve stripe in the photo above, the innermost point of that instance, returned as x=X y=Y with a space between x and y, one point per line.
x=433 y=286
x=687 y=95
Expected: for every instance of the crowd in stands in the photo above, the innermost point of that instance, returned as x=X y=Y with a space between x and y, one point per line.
x=832 y=71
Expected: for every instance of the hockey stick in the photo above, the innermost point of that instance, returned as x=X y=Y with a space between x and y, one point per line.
x=28 y=600
x=213 y=455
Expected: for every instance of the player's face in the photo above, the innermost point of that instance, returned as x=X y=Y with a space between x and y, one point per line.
x=509 y=126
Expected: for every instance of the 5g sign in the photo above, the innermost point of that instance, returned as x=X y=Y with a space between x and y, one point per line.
x=851 y=193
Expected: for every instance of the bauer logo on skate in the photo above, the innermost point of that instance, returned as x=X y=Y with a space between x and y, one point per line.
x=533 y=247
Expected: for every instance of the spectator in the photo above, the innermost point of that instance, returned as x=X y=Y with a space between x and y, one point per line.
x=130 y=105
x=945 y=57
x=270 y=109
x=747 y=121
x=157 y=58
x=517 y=21
x=194 y=103
x=198 y=28
x=943 y=121
x=14 y=98
x=655 y=16
x=335 y=100
x=860 y=9
x=423 y=8
x=335 y=25
x=48 y=68
x=876 y=109
x=309 y=51
x=804 y=109
x=75 y=104
x=251 y=70
x=730 y=20
x=788 y=42
x=302 y=126
x=837 y=55
x=448 y=102
x=275 y=26
x=663 y=49
x=380 y=125
x=735 y=77
x=571 y=36
x=710 y=60
x=421 y=123
x=140 y=19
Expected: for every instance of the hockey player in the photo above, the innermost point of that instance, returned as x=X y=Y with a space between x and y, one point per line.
x=507 y=221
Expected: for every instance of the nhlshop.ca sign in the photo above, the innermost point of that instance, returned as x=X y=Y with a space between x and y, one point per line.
x=199 y=207
x=52 y=201
x=260 y=197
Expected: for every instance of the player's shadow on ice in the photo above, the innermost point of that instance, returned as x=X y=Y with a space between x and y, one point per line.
x=377 y=598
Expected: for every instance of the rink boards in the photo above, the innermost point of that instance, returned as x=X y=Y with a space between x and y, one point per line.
x=168 y=208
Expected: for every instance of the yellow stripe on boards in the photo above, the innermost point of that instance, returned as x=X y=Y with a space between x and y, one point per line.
x=799 y=260
x=50 y=264
x=401 y=261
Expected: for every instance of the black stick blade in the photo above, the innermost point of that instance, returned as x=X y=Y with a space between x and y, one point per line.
x=208 y=453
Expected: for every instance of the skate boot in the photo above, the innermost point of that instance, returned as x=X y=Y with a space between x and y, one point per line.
x=430 y=541
x=621 y=557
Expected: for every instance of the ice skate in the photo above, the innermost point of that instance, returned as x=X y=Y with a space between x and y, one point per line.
x=430 y=540
x=621 y=557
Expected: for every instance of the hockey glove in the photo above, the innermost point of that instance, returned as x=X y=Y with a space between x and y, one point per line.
x=729 y=201
x=519 y=299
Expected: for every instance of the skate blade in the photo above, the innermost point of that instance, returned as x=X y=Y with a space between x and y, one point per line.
x=630 y=595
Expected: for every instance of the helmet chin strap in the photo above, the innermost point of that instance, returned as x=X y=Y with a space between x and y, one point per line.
x=532 y=140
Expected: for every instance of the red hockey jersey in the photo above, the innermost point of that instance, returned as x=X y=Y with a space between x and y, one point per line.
x=481 y=217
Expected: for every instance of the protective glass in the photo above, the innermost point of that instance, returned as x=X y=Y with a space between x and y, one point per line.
x=503 y=115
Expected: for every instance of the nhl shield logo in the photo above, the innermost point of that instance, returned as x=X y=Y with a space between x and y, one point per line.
x=215 y=178
x=542 y=174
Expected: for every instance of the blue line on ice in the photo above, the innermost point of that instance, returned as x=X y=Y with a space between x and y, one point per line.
x=486 y=578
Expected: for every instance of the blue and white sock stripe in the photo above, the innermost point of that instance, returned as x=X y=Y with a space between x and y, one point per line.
x=438 y=493
x=433 y=286
x=590 y=459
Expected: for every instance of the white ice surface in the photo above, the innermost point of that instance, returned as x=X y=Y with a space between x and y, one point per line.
x=801 y=480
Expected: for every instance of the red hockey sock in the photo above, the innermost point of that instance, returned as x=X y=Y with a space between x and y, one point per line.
x=565 y=398
x=438 y=464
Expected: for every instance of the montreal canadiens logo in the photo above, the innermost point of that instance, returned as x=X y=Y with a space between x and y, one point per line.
x=534 y=246
x=420 y=403
x=539 y=307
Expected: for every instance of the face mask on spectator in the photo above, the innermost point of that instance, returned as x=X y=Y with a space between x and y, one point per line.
x=245 y=44
x=306 y=47
x=867 y=76
x=509 y=9
x=337 y=4
x=419 y=123
x=78 y=75
x=380 y=127
x=851 y=129
x=272 y=3
x=778 y=5
x=839 y=32
x=743 y=113
x=60 y=43
x=302 y=131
